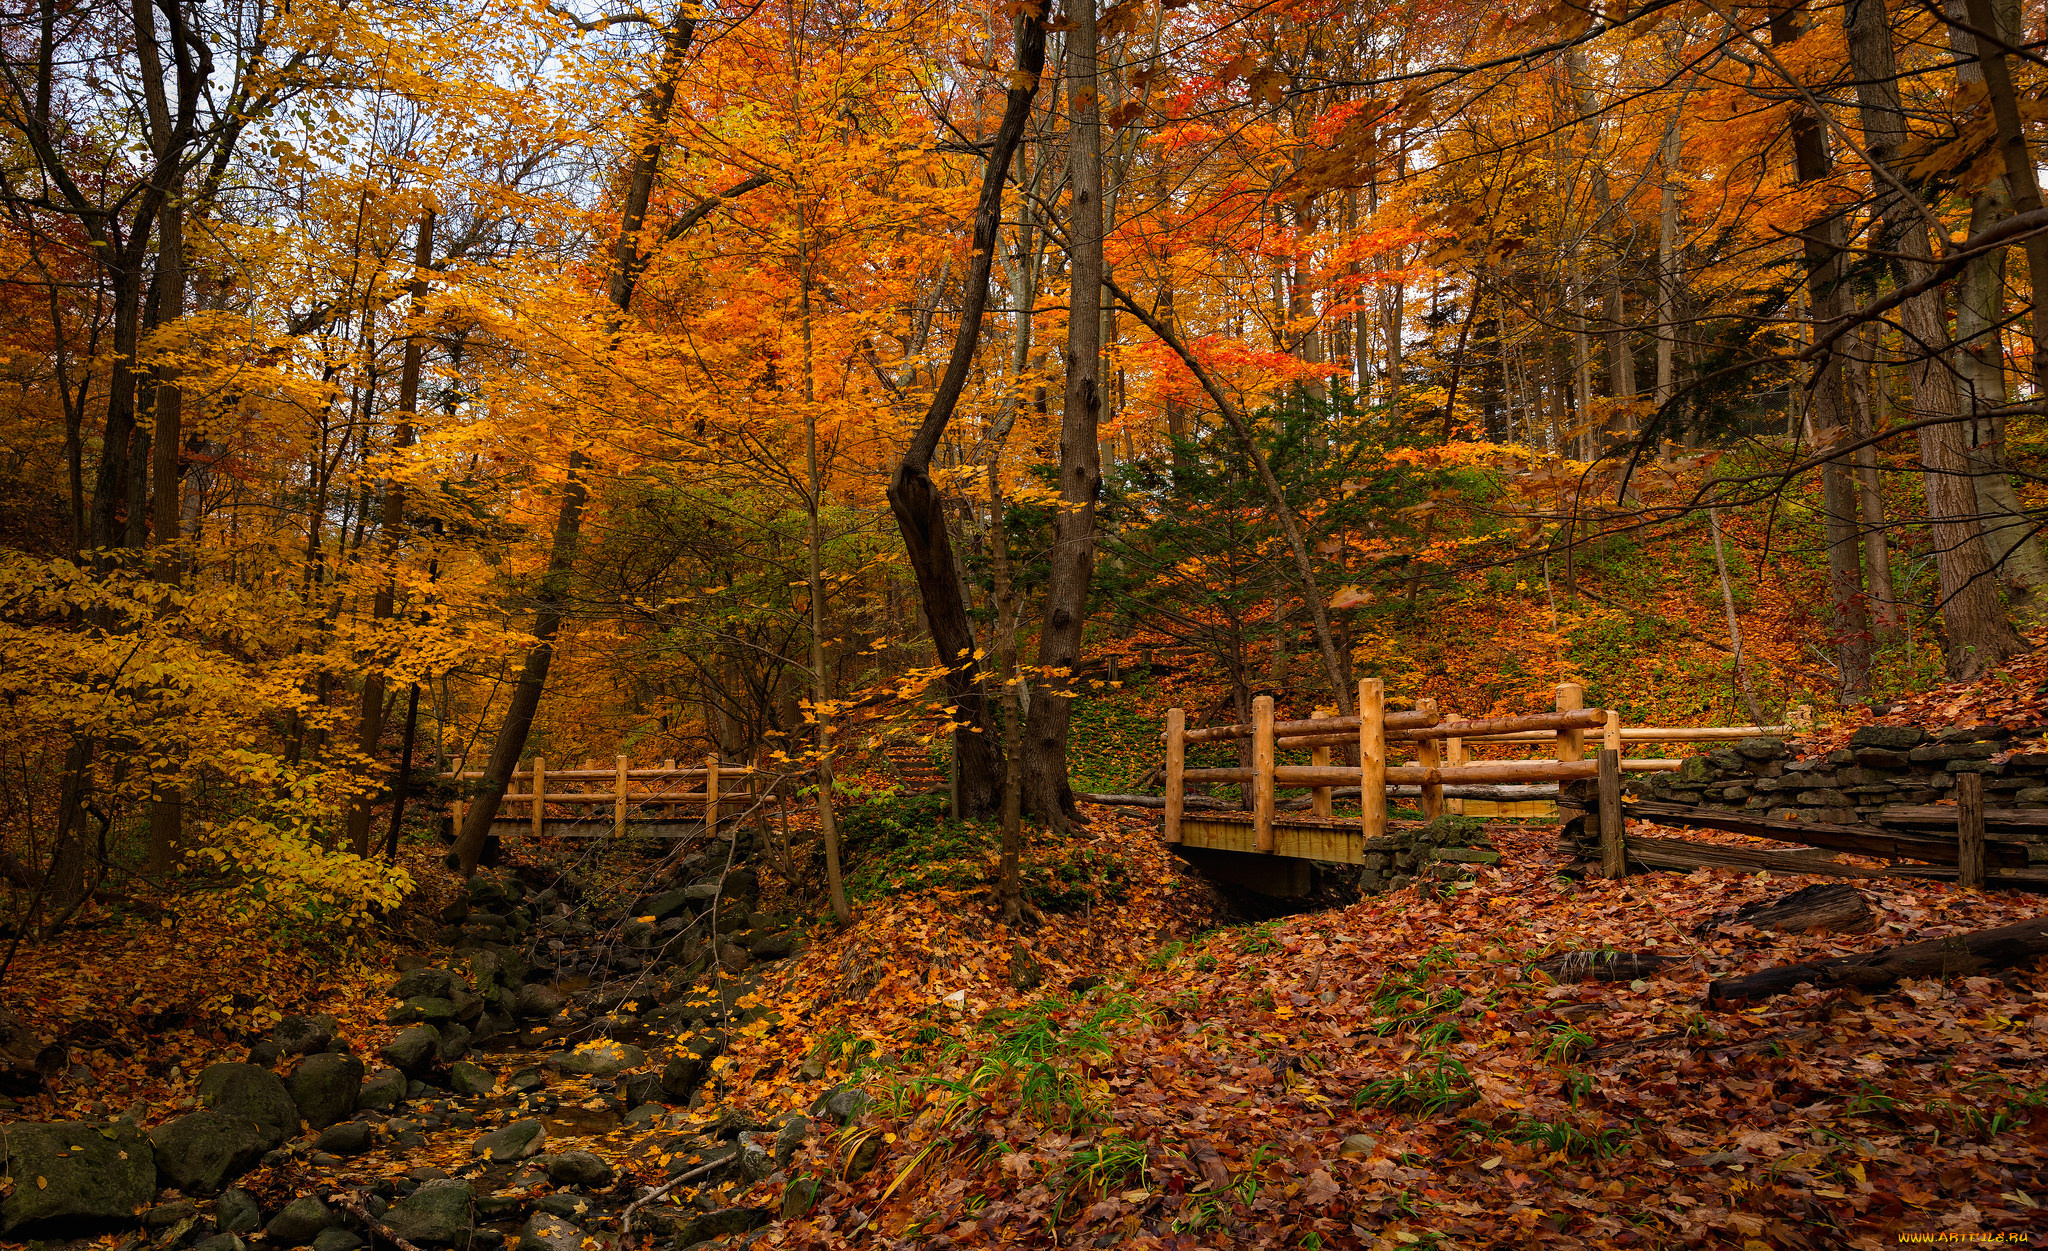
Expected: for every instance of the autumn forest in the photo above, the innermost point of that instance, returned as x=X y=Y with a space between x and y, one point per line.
x=807 y=624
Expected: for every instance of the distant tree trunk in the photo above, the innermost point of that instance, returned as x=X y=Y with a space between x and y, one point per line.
x=1866 y=388
x=913 y=497
x=1667 y=261
x=370 y=719
x=167 y=805
x=1825 y=240
x=1072 y=563
x=1979 y=634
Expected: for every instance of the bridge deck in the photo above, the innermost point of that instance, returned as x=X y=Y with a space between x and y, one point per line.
x=1298 y=836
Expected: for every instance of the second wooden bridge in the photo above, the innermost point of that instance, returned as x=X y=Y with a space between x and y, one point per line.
x=1439 y=746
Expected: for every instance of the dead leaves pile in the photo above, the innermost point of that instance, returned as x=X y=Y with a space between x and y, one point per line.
x=1394 y=1074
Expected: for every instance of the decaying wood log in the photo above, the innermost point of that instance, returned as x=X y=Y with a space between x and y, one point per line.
x=1603 y=966
x=1833 y=907
x=1957 y=954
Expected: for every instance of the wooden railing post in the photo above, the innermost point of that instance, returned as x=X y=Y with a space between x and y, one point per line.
x=1613 y=851
x=711 y=803
x=1176 y=761
x=1263 y=791
x=1429 y=755
x=619 y=798
x=1611 y=737
x=1319 y=797
x=1372 y=757
x=1454 y=756
x=1970 y=831
x=1571 y=744
x=540 y=791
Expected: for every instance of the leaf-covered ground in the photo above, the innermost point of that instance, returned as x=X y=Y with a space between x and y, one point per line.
x=1394 y=1074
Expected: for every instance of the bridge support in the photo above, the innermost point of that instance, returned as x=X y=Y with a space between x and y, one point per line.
x=1280 y=876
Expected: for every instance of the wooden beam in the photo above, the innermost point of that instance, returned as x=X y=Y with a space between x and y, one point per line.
x=711 y=804
x=619 y=804
x=1319 y=798
x=1372 y=757
x=1611 y=733
x=1314 y=725
x=1864 y=840
x=1454 y=755
x=540 y=790
x=1176 y=760
x=1970 y=831
x=1648 y=734
x=1263 y=790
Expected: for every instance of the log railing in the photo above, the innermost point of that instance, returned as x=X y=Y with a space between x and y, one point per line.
x=666 y=787
x=1440 y=746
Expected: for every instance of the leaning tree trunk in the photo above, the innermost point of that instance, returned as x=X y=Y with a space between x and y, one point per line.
x=914 y=498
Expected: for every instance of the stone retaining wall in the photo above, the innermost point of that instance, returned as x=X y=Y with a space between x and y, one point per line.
x=1883 y=766
x=1446 y=849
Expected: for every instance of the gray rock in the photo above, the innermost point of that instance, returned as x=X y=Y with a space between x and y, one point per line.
x=798 y=1196
x=563 y=1203
x=335 y=1238
x=686 y=1071
x=465 y=1078
x=301 y=1219
x=723 y=1223
x=663 y=906
x=1760 y=747
x=304 y=1035
x=844 y=1104
x=437 y=1212
x=347 y=1138
x=90 y=1173
x=165 y=1215
x=384 y=1089
x=204 y=1150
x=251 y=1091
x=733 y=958
x=536 y=1001
x=579 y=1168
x=236 y=1211
x=325 y=1087
x=219 y=1242
x=550 y=1233
x=413 y=1049
x=432 y=1009
x=439 y=983
x=514 y=1142
x=602 y=1059
x=454 y=1043
x=775 y=946
x=1889 y=737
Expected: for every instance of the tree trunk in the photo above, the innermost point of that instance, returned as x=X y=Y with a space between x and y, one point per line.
x=1979 y=634
x=552 y=595
x=1072 y=563
x=913 y=497
x=1954 y=956
x=370 y=720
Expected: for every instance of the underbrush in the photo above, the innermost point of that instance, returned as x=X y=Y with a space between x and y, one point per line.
x=895 y=845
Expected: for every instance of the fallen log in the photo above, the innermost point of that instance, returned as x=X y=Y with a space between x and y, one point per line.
x=1603 y=966
x=1863 y=840
x=1952 y=956
x=1192 y=803
x=1832 y=907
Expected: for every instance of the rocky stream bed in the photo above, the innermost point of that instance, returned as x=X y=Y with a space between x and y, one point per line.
x=552 y=1052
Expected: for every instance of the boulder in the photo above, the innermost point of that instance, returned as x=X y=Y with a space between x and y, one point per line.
x=346 y=1138
x=251 y=1091
x=550 y=1233
x=432 y=1009
x=77 y=1173
x=299 y=1223
x=236 y=1212
x=1889 y=737
x=723 y=1223
x=844 y=1104
x=603 y=1058
x=204 y=1150
x=775 y=946
x=536 y=1001
x=439 y=983
x=454 y=1043
x=384 y=1089
x=579 y=1168
x=514 y=1142
x=1760 y=747
x=413 y=1050
x=465 y=1078
x=304 y=1035
x=336 y=1238
x=688 y=1068
x=325 y=1087
x=219 y=1242
x=663 y=906
x=439 y=1211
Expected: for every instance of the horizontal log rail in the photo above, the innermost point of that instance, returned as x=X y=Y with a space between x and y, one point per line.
x=620 y=794
x=1314 y=725
x=1641 y=734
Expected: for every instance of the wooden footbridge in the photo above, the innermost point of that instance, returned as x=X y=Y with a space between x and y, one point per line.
x=1439 y=748
x=654 y=801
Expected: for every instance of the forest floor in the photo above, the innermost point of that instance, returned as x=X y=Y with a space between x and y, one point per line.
x=1138 y=1065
